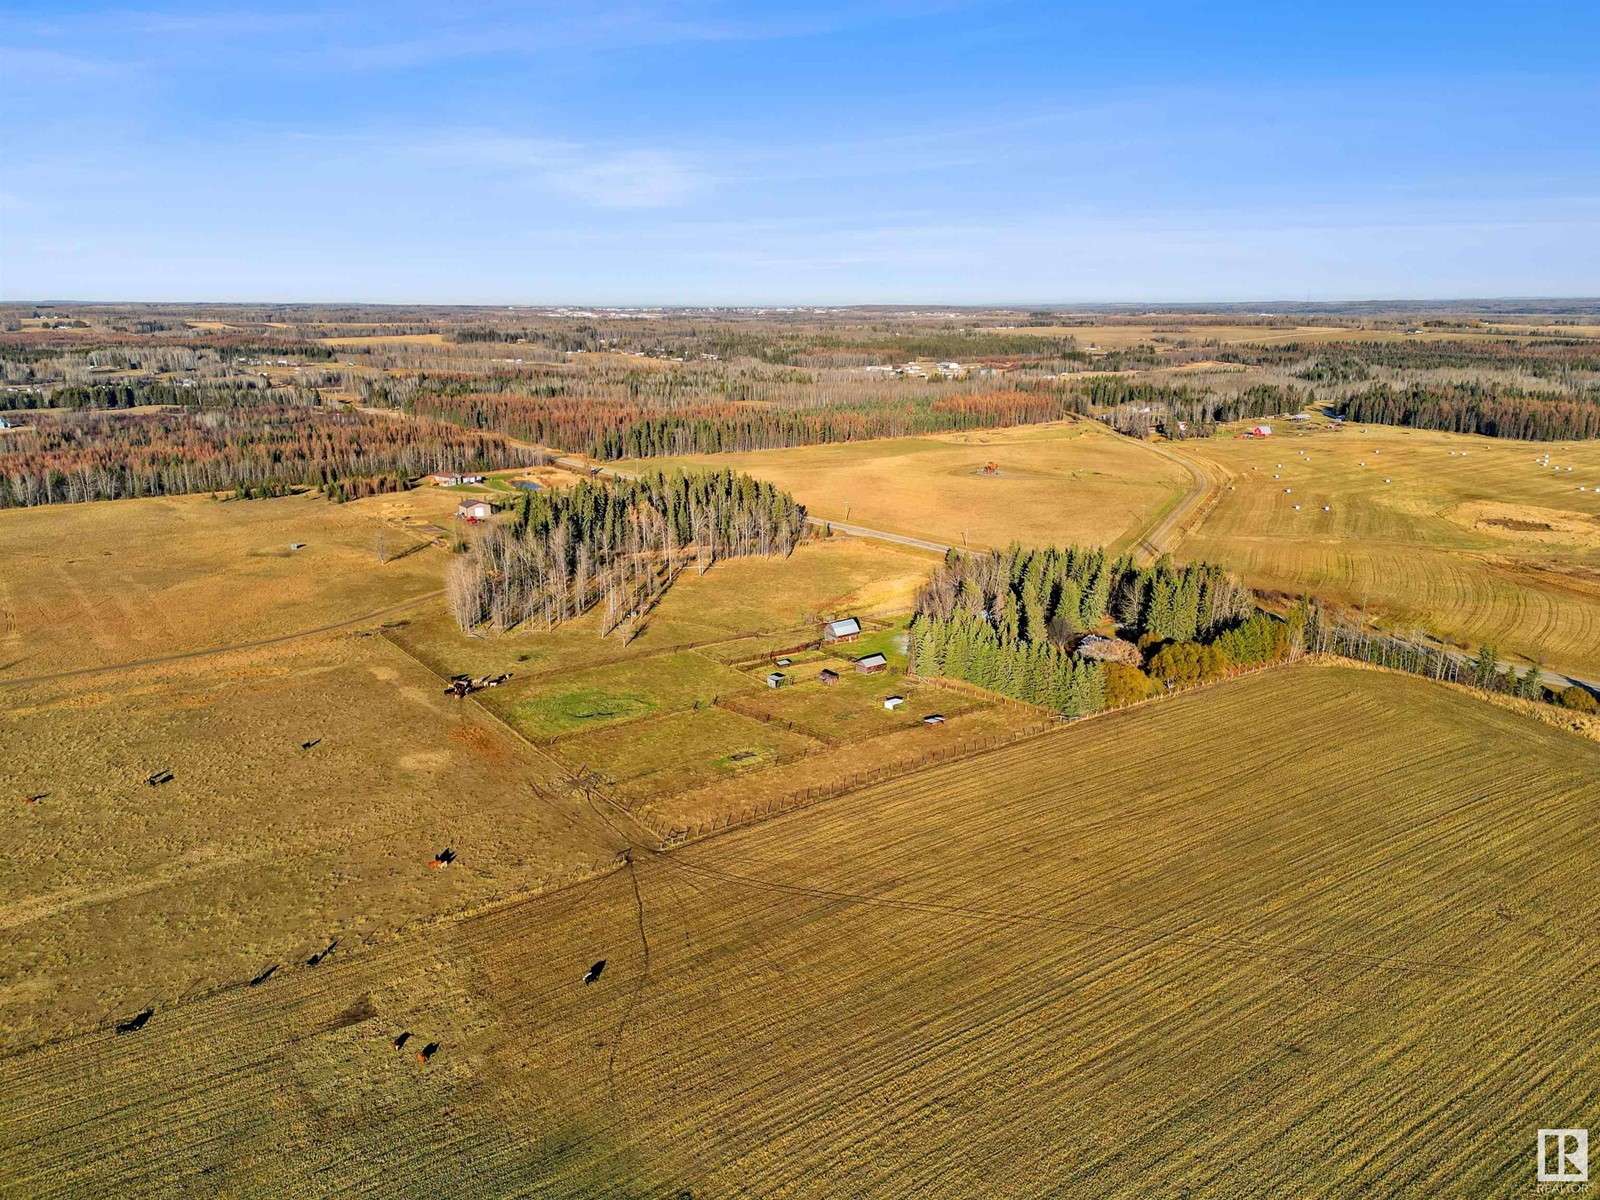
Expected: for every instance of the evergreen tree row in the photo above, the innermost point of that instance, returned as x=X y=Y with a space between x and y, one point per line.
x=1008 y=621
x=139 y=393
x=970 y=648
x=1056 y=592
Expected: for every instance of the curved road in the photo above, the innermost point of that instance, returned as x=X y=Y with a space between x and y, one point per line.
x=1158 y=539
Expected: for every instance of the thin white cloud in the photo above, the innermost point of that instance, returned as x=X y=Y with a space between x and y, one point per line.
x=635 y=177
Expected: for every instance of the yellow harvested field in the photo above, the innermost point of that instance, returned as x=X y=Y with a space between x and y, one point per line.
x=1065 y=482
x=1186 y=947
x=89 y=585
x=386 y=339
x=1470 y=539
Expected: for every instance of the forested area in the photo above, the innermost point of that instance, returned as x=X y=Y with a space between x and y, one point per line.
x=1544 y=357
x=1478 y=408
x=620 y=544
x=1137 y=408
x=257 y=451
x=1010 y=621
x=135 y=394
x=1013 y=622
x=607 y=428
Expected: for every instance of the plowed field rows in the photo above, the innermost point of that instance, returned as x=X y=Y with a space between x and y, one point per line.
x=1315 y=932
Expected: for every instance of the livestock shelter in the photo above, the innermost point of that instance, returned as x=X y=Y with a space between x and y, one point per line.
x=871 y=664
x=846 y=630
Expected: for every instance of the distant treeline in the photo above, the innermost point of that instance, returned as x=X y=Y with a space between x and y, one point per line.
x=1544 y=357
x=787 y=345
x=139 y=393
x=1478 y=408
x=618 y=543
x=254 y=451
x=37 y=344
x=613 y=429
x=1009 y=621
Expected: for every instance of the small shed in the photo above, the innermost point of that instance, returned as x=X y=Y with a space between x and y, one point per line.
x=893 y=702
x=474 y=510
x=933 y=719
x=777 y=679
x=846 y=630
x=871 y=664
x=828 y=676
x=1261 y=431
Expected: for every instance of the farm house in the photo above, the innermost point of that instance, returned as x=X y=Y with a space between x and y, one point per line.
x=1260 y=431
x=871 y=664
x=846 y=630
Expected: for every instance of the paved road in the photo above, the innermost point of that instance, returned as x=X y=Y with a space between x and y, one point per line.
x=256 y=645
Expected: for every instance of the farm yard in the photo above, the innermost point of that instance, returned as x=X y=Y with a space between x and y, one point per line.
x=1470 y=539
x=1065 y=483
x=1067 y=957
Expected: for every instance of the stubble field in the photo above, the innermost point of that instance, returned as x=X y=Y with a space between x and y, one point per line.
x=1067 y=482
x=1169 y=944
x=1467 y=538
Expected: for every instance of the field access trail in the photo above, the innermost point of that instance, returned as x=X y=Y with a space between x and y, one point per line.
x=1167 y=529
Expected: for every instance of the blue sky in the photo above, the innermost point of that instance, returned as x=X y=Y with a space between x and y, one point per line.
x=874 y=151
